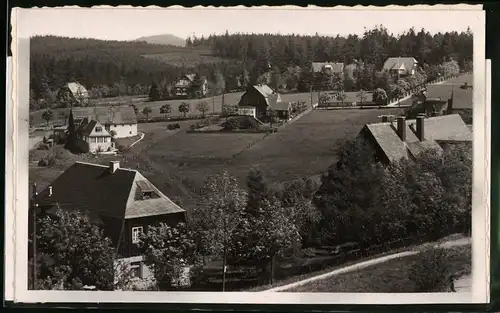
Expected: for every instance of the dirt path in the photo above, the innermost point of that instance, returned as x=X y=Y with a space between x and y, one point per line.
x=142 y=137
x=357 y=266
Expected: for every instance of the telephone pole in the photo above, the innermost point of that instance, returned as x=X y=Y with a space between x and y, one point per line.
x=33 y=236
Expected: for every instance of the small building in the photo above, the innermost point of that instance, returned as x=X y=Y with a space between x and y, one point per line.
x=186 y=87
x=399 y=138
x=402 y=66
x=247 y=110
x=121 y=201
x=260 y=97
x=95 y=136
x=119 y=120
x=282 y=110
x=328 y=67
x=73 y=93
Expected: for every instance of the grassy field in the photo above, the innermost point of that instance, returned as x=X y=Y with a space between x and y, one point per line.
x=178 y=162
x=387 y=277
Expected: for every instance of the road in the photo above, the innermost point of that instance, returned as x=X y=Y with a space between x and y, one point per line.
x=358 y=266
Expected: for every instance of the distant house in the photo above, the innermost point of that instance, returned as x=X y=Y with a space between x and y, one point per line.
x=261 y=97
x=282 y=110
x=119 y=119
x=186 y=87
x=328 y=67
x=403 y=66
x=443 y=99
x=122 y=201
x=95 y=136
x=73 y=94
x=394 y=139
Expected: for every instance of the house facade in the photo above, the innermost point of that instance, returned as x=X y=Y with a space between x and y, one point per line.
x=261 y=97
x=73 y=93
x=95 y=136
x=247 y=110
x=122 y=201
x=119 y=121
x=401 y=66
x=186 y=87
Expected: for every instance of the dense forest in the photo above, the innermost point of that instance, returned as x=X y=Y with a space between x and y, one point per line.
x=116 y=68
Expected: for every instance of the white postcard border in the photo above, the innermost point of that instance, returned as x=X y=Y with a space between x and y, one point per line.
x=481 y=175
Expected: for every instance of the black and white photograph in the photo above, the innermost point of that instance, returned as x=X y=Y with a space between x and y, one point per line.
x=276 y=154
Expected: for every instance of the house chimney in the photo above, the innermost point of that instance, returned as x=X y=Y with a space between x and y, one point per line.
x=50 y=191
x=113 y=166
x=402 y=128
x=420 y=127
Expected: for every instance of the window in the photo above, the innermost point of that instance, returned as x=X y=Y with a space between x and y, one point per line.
x=136 y=270
x=93 y=140
x=98 y=129
x=136 y=233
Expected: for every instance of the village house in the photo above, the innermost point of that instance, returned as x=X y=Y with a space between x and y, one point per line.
x=186 y=87
x=401 y=66
x=328 y=67
x=73 y=94
x=121 y=201
x=95 y=136
x=260 y=97
x=442 y=100
x=281 y=110
x=119 y=121
x=397 y=138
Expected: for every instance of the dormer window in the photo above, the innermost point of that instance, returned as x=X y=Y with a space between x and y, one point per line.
x=145 y=191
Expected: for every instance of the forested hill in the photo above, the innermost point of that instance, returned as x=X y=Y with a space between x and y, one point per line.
x=373 y=47
x=165 y=39
x=115 y=67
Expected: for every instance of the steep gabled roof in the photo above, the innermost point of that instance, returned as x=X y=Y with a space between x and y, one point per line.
x=446 y=128
x=336 y=67
x=462 y=98
x=395 y=63
x=76 y=88
x=88 y=129
x=264 y=90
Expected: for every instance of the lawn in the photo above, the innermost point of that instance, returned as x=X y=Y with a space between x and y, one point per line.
x=387 y=277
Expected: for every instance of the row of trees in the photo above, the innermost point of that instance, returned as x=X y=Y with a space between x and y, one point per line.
x=373 y=47
x=358 y=201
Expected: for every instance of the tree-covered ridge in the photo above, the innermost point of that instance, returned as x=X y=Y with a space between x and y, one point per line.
x=373 y=47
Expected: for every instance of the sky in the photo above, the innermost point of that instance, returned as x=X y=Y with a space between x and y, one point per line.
x=132 y=23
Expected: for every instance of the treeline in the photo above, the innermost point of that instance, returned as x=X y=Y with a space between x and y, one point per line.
x=254 y=225
x=373 y=47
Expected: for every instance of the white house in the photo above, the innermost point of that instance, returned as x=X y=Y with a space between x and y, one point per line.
x=95 y=136
x=401 y=66
x=118 y=119
x=185 y=85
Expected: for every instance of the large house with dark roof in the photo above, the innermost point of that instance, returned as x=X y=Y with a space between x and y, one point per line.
x=121 y=120
x=394 y=139
x=402 y=66
x=122 y=201
x=73 y=93
x=263 y=99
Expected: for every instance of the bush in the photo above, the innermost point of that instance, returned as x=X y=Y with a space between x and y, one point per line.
x=122 y=148
x=431 y=272
x=173 y=126
x=47 y=161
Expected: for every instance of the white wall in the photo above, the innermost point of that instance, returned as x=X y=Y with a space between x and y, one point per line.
x=94 y=146
x=124 y=130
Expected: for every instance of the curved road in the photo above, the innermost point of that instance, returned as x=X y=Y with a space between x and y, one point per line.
x=357 y=266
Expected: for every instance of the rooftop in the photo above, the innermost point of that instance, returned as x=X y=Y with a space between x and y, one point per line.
x=107 y=115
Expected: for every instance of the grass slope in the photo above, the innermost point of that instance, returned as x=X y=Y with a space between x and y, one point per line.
x=388 y=277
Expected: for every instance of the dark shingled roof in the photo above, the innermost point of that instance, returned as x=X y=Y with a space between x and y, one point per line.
x=110 y=196
x=107 y=115
x=446 y=128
